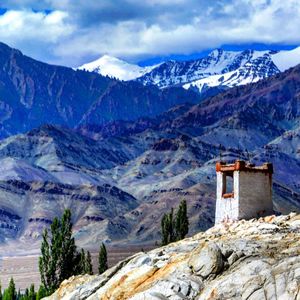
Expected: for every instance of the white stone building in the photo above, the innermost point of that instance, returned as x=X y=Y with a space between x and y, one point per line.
x=243 y=191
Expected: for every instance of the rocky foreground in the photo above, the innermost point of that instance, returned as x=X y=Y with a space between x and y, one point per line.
x=255 y=259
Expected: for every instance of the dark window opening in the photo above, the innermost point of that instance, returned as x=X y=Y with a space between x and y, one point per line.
x=227 y=185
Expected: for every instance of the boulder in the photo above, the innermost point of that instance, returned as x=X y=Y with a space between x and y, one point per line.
x=206 y=260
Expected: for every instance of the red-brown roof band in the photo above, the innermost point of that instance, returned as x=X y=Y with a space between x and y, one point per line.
x=240 y=165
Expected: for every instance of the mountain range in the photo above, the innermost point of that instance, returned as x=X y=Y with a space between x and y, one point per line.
x=120 y=176
x=32 y=93
x=219 y=69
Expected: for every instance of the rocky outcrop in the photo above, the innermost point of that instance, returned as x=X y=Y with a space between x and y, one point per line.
x=255 y=259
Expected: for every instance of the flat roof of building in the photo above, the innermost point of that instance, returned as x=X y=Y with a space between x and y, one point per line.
x=241 y=165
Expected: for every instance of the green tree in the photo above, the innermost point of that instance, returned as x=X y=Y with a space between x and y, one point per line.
x=164 y=230
x=10 y=293
x=82 y=261
x=181 y=221
x=102 y=267
x=78 y=265
x=88 y=264
x=167 y=226
x=174 y=229
x=67 y=248
x=58 y=253
x=32 y=293
x=41 y=293
x=19 y=296
x=48 y=262
x=172 y=237
x=1 y=291
x=25 y=296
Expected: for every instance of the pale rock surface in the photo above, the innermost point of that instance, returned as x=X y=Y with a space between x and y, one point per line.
x=255 y=259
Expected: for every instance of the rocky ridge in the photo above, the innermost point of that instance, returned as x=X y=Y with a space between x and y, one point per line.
x=255 y=259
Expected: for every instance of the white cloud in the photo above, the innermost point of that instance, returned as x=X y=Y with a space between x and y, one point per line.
x=276 y=22
x=29 y=25
x=135 y=29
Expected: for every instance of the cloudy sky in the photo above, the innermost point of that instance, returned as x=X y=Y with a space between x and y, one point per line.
x=71 y=32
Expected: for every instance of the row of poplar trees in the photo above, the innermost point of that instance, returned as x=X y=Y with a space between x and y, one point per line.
x=10 y=293
x=175 y=227
x=60 y=258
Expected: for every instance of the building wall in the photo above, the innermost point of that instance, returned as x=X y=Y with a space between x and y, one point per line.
x=252 y=196
x=226 y=208
x=255 y=194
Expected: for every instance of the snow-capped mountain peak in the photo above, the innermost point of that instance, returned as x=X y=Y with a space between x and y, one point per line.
x=114 y=67
x=217 y=62
x=220 y=68
x=254 y=65
x=286 y=59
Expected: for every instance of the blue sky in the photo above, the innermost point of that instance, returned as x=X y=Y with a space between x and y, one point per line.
x=72 y=32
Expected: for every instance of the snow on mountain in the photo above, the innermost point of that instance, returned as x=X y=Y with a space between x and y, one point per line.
x=286 y=59
x=259 y=68
x=175 y=73
x=220 y=68
x=114 y=67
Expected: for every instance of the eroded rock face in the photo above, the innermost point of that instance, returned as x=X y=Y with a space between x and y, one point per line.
x=256 y=259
